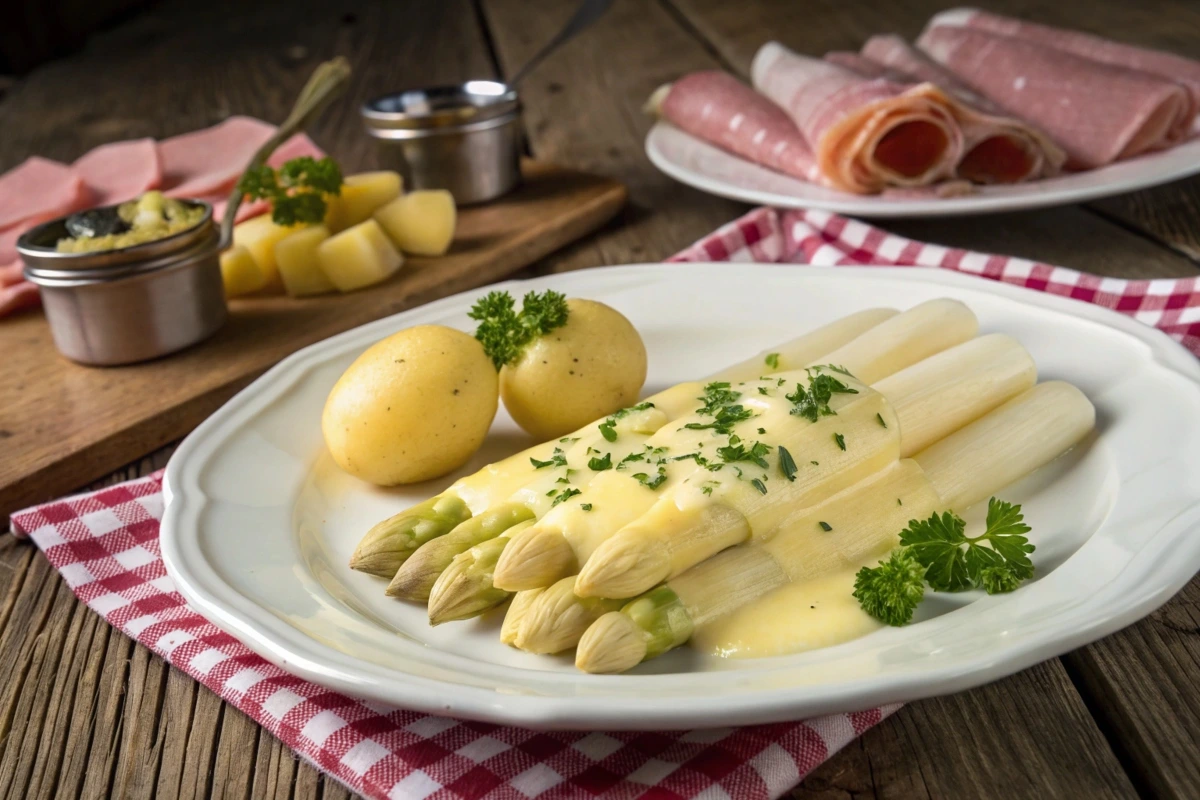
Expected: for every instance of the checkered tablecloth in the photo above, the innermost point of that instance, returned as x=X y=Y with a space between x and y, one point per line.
x=105 y=544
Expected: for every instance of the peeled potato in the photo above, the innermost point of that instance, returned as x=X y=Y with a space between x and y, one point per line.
x=590 y=367
x=358 y=256
x=361 y=194
x=259 y=235
x=412 y=407
x=240 y=272
x=420 y=222
x=298 y=263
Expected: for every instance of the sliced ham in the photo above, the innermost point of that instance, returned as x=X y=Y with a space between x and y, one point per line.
x=120 y=171
x=723 y=111
x=209 y=160
x=997 y=147
x=866 y=133
x=1098 y=113
x=39 y=189
x=1179 y=69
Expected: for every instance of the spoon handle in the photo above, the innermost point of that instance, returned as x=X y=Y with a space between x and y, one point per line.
x=588 y=12
x=327 y=81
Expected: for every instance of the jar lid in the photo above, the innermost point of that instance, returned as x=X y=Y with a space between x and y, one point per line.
x=44 y=263
x=440 y=107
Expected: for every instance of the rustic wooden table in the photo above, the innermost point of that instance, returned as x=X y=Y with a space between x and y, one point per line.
x=85 y=712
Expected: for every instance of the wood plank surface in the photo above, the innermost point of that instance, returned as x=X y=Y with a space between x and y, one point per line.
x=1111 y=720
x=63 y=424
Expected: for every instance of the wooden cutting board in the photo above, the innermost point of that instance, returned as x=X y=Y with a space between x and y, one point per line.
x=62 y=424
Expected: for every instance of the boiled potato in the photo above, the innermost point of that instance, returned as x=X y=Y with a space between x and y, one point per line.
x=299 y=266
x=259 y=235
x=358 y=256
x=421 y=222
x=412 y=407
x=240 y=272
x=588 y=368
x=361 y=194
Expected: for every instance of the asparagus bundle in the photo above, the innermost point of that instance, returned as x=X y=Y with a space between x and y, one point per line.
x=389 y=544
x=931 y=399
x=961 y=469
x=562 y=541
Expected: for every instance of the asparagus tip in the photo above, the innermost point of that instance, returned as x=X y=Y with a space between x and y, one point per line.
x=622 y=567
x=516 y=614
x=535 y=557
x=613 y=643
x=557 y=618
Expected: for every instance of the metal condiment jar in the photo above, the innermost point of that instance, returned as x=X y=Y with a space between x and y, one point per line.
x=130 y=304
x=466 y=139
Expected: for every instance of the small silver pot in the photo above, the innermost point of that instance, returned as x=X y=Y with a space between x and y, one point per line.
x=466 y=139
x=132 y=304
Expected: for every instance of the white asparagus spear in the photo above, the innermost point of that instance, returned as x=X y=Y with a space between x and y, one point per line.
x=931 y=399
x=1007 y=444
x=557 y=546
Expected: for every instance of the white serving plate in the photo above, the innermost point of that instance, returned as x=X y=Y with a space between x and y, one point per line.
x=260 y=523
x=707 y=168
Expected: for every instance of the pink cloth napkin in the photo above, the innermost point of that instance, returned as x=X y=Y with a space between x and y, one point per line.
x=105 y=544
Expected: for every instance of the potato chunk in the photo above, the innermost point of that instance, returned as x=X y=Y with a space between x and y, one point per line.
x=421 y=222
x=361 y=195
x=358 y=256
x=240 y=272
x=299 y=266
x=259 y=235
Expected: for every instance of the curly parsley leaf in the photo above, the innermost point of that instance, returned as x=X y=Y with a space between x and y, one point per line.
x=813 y=402
x=296 y=191
x=504 y=332
x=891 y=591
x=737 y=451
x=955 y=561
x=772 y=360
x=600 y=464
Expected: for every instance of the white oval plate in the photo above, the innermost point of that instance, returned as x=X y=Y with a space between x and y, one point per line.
x=702 y=166
x=260 y=523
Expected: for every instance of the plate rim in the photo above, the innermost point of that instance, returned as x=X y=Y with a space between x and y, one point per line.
x=875 y=207
x=305 y=657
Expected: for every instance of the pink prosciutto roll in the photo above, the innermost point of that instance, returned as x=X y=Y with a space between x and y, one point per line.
x=1179 y=69
x=997 y=147
x=866 y=133
x=1098 y=113
x=723 y=111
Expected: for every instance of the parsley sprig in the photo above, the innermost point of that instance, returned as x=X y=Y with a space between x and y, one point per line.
x=296 y=190
x=938 y=552
x=505 y=332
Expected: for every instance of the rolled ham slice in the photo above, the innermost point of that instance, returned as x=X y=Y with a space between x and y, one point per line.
x=1098 y=113
x=866 y=133
x=1177 y=68
x=720 y=109
x=997 y=147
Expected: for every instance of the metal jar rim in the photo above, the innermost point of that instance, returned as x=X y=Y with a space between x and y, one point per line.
x=46 y=266
x=441 y=108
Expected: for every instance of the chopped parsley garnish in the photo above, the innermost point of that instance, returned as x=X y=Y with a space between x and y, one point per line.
x=898 y=502
x=938 y=552
x=724 y=418
x=568 y=440
x=504 y=332
x=813 y=402
x=879 y=417
x=772 y=360
x=786 y=464
x=600 y=464
x=762 y=431
x=608 y=430
x=557 y=459
x=651 y=483
x=630 y=459
x=563 y=494
x=586 y=506
x=836 y=368
x=716 y=394
x=762 y=390
x=825 y=526
x=737 y=451
x=815 y=463
x=841 y=440
x=758 y=484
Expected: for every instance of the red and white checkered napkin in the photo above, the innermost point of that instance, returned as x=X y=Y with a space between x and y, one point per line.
x=106 y=546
